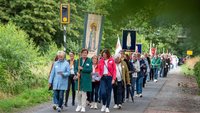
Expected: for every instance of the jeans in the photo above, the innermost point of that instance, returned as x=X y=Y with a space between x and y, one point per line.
x=156 y=73
x=133 y=82
x=106 y=90
x=148 y=76
x=139 y=83
x=94 y=94
x=117 y=91
x=161 y=71
x=54 y=99
x=59 y=96
x=71 y=82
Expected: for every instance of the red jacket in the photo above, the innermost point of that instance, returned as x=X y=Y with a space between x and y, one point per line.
x=111 y=68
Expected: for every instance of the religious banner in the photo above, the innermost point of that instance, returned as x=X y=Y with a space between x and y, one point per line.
x=129 y=40
x=93 y=33
x=139 y=48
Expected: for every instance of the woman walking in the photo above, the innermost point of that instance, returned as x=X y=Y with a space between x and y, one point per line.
x=84 y=82
x=107 y=71
x=95 y=83
x=59 y=78
x=122 y=79
x=71 y=81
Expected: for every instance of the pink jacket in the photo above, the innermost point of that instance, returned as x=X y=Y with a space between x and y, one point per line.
x=111 y=68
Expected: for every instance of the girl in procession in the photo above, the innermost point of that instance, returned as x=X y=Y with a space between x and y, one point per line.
x=95 y=82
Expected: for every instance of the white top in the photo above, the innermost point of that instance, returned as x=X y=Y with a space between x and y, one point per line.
x=72 y=70
x=105 y=71
x=119 y=72
x=136 y=66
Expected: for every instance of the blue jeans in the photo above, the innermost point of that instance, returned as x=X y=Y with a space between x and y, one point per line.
x=54 y=99
x=155 y=73
x=148 y=76
x=94 y=94
x=161 y=71
x=139 y=83
x=59 y=96
x=106 y=90
x=133 y=81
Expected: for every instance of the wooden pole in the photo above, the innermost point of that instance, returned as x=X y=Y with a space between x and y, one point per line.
x=79 y=73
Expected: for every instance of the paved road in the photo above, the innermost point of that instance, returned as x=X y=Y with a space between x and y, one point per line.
x=154 y=100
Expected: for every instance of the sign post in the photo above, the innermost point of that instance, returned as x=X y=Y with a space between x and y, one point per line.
x=64 y=20
x=189 y=52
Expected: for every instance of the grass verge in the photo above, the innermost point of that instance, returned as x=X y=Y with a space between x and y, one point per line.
x=187 y=71
x=25 y=99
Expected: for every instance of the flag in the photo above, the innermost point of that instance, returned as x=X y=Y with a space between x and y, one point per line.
x=118 y=47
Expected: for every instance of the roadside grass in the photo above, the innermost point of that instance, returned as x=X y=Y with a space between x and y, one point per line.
x=186 y=70
x=188 y=67
x=25 y=99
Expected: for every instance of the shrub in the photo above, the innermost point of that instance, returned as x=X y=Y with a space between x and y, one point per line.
x=16 y=57
x=197 y=72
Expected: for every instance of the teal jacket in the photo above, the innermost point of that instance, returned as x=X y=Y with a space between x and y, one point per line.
x=86 y=78
x=156 y=62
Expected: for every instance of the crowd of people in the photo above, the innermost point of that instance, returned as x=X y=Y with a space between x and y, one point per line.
x=92 y=80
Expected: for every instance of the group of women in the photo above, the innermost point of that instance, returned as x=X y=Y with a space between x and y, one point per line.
x=93 y=80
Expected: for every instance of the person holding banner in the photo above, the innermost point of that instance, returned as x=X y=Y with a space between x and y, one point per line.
x=139 y=80
x=107 y=71
x=134 y=70
x=84 y=82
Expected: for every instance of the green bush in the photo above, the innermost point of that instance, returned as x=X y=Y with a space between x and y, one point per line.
x=17 y=56
x=197 y=72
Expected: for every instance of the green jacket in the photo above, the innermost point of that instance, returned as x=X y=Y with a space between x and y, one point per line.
x=156 y=62
x=86 y=78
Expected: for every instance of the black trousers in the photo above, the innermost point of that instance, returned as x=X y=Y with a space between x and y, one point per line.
x=118 y=93
x=151 y=74
x=144 y=79
x=95 y=92
x=71 y=82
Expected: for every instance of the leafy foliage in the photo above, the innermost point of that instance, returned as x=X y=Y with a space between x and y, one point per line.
x=197 y=72
x=16 y=57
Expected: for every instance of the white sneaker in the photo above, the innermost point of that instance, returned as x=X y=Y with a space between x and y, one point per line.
x=119 y=106
x=127 y=100
x=95 y=106
x=103 y=108
x=140 y=95
x=92 y=105
x=78 y=108
x=155 y=80
x=107 y=110
x=115 y=106
x=54 y=107
x=83 y=110
x=59 y=109
x=137 y=95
